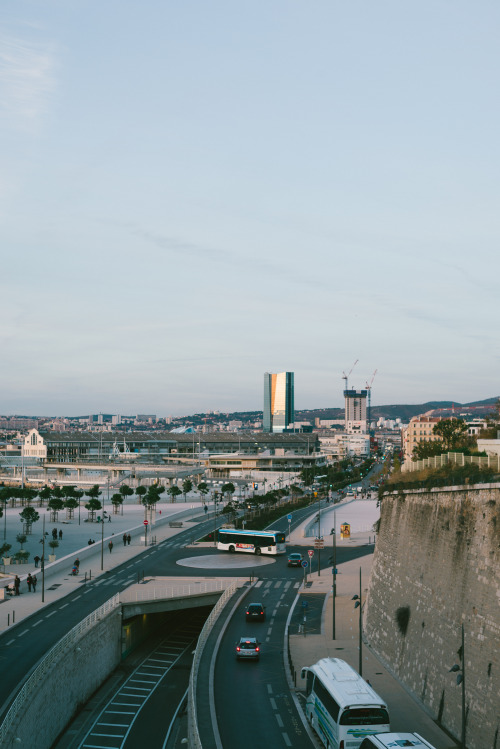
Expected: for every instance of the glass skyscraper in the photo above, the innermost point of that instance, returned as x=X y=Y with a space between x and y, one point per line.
x=279 y=409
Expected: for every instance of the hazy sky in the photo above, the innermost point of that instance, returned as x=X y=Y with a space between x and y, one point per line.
x=193 y=193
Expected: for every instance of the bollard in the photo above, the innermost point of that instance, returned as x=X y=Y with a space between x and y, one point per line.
x=90 y=574
x=85 y=576
x=13 y=617
x=8 y=620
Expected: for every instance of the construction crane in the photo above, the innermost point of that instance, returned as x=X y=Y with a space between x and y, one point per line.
x=369 y=388
x=346 y=376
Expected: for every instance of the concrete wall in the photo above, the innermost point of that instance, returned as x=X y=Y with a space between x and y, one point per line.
x=74 y=677
x=437 y=560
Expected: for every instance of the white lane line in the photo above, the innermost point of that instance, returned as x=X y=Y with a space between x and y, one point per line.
x=77 y=597
x=273 y=703
x=267 y=639
x=114 y=725
x=269 y=630
x=269 y=688
x=257 y=585
x=10 y=642
x=280 y=721
x=64 y=606
x=36 y=624
x=22 y=633
x=51 y=614
x=287 y=585
x=278 y=584
x=286 y=739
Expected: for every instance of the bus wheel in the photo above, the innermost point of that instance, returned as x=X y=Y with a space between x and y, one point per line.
x=231 y=549
x=257 y=551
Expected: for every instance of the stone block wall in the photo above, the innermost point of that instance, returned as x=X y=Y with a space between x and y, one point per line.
x=436 y=566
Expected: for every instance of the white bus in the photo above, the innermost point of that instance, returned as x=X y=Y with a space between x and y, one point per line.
x=341 y=707
x=252 y=542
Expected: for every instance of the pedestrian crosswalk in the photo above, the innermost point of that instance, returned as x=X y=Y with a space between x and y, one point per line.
x=278 y=584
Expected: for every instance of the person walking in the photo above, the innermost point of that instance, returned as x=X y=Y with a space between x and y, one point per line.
x=60 y=535
x=29 y=580
x=34 y=582
x=124 y=539
x=17 y=583
x=110 y=546
x=54 y=534
x=129 y=539
x=77 y=564
x=36 y=560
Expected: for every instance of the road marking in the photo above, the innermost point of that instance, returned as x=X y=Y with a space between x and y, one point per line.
x=114 y=725
x=270 y=688
x=36 y=624
x=280 y=721
x=10 y=642
x=64 y=605
x=267 y=639
x=257 y=585
x=270 y=629
x=286 y=739
x=51 y=614
x=22 y=633
x=273 y=703
x=278 y=584
x=77 y=597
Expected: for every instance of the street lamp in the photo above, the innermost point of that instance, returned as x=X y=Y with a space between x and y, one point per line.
x=334 y=570
x=104 y=513
x=358 y=605
x=460 y=670
x=215 y=518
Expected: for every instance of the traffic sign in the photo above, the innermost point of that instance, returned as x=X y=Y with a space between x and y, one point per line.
x=319 y=543
x=289 y=517
x=310 y=552
x=305 y=564
x=146 y=522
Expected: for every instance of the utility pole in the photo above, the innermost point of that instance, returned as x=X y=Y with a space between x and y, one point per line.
x=334 y=570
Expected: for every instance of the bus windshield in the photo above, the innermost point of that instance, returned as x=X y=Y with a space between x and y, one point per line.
x=364 y=716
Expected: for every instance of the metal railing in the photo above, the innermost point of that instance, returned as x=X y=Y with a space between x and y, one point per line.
x=194 y=740
x=156 y=592
x=489 y=461
x=31 y=684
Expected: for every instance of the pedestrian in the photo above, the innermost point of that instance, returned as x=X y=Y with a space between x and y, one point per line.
x=124 y=539
x=60 y=535
x=17 y=583
x=206 y=509
x=34 y=582
x=109 y=518
x=89 y=542
x=110 y=546
x=29 y=580
x=77 y=564
x=54 y=534
x=36 y=560
x=129 y=539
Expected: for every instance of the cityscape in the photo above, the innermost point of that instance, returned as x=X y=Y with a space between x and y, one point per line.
x=249 y=400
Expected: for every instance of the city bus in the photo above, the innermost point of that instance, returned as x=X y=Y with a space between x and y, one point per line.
x=251 y=542
x=341 y=707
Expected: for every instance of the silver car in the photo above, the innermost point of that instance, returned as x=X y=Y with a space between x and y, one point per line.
x=248 y=647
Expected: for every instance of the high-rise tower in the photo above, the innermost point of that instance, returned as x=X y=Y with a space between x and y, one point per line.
x=279 y=409
x=355 y=411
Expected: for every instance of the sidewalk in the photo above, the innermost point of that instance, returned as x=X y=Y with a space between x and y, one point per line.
x=406 y=713
x=61 y=582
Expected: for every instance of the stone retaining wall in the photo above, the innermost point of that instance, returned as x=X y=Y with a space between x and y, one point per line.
x=436 y=566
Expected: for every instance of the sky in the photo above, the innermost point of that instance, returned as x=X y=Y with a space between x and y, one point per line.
x=195 y=193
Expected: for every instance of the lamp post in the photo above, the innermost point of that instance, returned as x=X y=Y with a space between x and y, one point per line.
x=358 y=605
x=319 y=534
x=215 y=518
x=461 y=680
x=334 y=570
x=102 y=539
x=42 y=541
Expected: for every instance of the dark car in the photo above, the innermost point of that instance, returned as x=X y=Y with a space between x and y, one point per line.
x=255 y=612
x=248 y=647
x=294 y=560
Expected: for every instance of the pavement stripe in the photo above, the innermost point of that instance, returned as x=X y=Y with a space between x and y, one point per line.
x=64 y=605
x=36 y=624
x=286 y=739
x=270 y=688
x=273 y=703
x=23 y=633
x=10 y=642
x=51 y=614
x=280 y=721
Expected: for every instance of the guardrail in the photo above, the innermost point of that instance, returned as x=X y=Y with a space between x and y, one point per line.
x=194 y=740
x=20 y=702
x=172 y=591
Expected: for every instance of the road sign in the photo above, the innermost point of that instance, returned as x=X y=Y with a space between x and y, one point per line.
x=146 y=522
x=310 y=552
x=319 y=543
x=305 y=564
x=289 y=518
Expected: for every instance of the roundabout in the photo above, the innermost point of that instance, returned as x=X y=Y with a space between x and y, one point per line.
x=225 y=561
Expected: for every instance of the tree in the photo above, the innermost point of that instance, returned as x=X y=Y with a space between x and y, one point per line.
x=141 y=491
x=93 y=492
x=29 y=516
x=427 y=449
x=174 y=492
x=21 y=539
x=71 y=503
x=116 y=501
x=27 y=495
x=92 y=506
x=44 y=495
x=55 y=505
x=125 y=491
x=453 y=433
x=228 y=489
x=187 y=485
x=4 y=549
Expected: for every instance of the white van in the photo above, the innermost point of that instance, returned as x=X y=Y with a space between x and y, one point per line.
x=394 y=741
